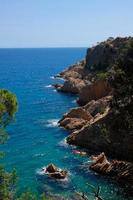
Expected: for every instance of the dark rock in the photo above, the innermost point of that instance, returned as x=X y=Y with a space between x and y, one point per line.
x=59 y=174
x=56 y=173
x=51 y=168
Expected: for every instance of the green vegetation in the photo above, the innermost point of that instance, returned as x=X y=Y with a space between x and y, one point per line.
x=122 y=82
x=8 y=108
x=27 y=196
x=102 y=75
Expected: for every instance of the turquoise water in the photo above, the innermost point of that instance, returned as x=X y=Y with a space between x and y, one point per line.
x=36 y=140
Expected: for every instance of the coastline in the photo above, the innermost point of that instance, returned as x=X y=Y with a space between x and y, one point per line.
x=94 y=97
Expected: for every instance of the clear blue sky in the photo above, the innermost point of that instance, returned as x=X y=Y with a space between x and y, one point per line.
x=63 y=23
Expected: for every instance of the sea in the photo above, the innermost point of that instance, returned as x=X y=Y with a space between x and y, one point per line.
x=36 y=140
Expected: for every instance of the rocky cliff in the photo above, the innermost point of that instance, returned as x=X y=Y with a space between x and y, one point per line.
x=104 y=84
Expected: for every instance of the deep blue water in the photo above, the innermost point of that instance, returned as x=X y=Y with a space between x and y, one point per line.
x=36 y=140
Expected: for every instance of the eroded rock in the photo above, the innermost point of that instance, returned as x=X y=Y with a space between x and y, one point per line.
x=119 y=169
x=75 y=119
x=94 y=91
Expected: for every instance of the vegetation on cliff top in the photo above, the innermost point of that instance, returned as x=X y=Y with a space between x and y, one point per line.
x=122 y=83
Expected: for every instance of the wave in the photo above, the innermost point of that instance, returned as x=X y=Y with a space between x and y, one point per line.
x=40 y=171
x=48 y=86
x=74 y=101
x=52 y=77
x=60 y=78
x=52 y=123
x=39 y=155
x=63 y=143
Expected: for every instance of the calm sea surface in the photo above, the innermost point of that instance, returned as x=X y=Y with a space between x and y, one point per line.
x=36 y=140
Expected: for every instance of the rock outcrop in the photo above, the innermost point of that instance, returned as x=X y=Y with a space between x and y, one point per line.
x=54 y=172
x=119 y=169
x=71 y=85
x=94 y=91
x=75 y=71
x=101 y=130
x=103 y=55
x=77 y=118
x=89 y=136
x=99 y=135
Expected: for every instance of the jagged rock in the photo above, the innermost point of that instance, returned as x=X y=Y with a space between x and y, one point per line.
x=120 y=169
x=75 y=119
x=71 y=85
x=56 y=173
x=78 y=113
x=104 y=54
x=98 y=106
x=100 y=136
x=75 y=71
x=59 y=174
x=89 y=136
x=73 y=123
x=94 y=91
x=51 y=168
x=79 y=117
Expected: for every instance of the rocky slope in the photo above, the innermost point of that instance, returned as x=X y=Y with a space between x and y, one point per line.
x=121 y=170
x=103 y=82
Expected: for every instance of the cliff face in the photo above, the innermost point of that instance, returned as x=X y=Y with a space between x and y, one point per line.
x=104 y=54
x=94 y=91
x=103 y=123
x=99 y=136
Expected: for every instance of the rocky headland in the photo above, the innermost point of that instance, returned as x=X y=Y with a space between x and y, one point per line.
x=103 y=121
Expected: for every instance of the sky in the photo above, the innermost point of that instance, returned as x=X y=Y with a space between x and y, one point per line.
x=63 y=23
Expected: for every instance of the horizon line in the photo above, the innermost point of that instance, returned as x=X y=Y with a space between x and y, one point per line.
x=39 y=47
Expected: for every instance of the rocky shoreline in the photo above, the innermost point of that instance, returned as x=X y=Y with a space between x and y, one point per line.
x=91 y=123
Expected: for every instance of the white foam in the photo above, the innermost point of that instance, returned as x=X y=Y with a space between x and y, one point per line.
x=52 y=123
x=40 y=171
x=74 y=101
x=52 y=77
x=39 y=155
x=60 y=78
x=48 y=86
x=63 y=143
